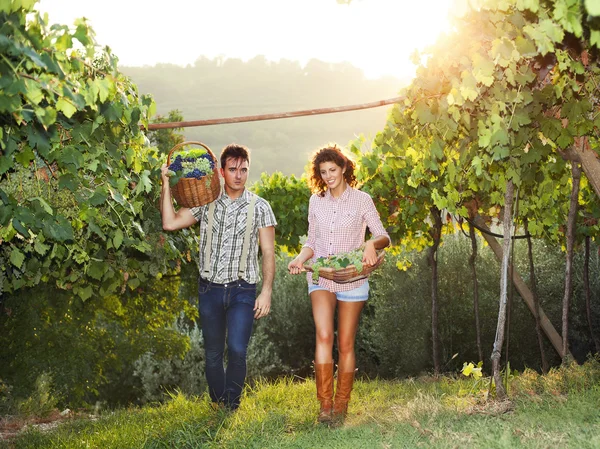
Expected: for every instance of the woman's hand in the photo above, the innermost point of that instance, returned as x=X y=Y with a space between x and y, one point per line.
x=370 y=254
x=296 y=266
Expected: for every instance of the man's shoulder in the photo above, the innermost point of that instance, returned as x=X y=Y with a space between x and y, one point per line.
x=197 y=211
x=259 y=200
x=262 y=205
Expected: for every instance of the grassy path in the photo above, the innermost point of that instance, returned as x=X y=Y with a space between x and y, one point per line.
x=560 y=410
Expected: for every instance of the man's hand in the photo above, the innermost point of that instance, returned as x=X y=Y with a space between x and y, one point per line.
x=262 y=306
x=164 y=173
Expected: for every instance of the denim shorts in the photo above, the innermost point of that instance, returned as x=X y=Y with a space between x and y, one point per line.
x=358 y=294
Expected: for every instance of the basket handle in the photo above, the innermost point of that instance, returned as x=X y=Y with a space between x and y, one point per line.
x=191 y=142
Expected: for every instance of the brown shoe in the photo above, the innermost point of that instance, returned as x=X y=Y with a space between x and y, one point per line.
x=345 y=381
x=324 y=381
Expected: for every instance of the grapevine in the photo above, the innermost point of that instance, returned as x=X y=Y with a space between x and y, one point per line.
x=337 y=261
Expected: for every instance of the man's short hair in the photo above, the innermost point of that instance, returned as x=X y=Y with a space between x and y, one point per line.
x=234 y=151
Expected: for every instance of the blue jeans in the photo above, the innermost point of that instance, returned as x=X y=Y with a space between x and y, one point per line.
x=226 y=313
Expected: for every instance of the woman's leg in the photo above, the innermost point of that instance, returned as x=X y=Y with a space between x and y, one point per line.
x=348 y=319
x=323 y=305
x=323 y=308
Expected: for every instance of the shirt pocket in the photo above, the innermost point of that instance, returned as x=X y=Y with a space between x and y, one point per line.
x=322 y=222
x=239 y=225
x=349 y=218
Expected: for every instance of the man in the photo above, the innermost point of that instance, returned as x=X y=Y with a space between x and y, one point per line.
x=228 y=303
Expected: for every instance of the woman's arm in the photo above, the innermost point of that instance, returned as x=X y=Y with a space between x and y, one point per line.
x=296 y=265
x=380 y=238
x=371 y=247
x=307 y=252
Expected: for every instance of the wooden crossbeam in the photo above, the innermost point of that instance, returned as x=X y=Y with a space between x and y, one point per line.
x=280 y=115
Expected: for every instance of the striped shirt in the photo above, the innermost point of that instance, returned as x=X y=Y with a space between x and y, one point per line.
x=229 y=227
x=337 y=225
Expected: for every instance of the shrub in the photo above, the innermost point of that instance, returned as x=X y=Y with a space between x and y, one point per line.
x=160 y=375
x=88 y=347
x=288 y=330
x=392 y=336
x=7 y=405
x=42 y=401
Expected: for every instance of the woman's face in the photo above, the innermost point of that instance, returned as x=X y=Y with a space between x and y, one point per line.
x=332 y=174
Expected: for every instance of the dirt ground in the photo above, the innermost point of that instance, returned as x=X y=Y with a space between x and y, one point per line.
x=11 y=426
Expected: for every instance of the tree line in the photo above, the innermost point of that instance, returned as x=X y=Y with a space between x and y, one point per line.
x=218 y=88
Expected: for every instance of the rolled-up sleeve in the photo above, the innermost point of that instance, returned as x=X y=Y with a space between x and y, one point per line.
x=373 y=220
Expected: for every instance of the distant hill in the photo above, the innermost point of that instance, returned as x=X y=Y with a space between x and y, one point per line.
x=216 y=88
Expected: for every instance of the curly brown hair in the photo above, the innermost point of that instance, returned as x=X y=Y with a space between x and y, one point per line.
x=329 y=153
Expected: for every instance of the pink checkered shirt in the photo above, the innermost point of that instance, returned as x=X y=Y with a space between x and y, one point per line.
x=338 y=225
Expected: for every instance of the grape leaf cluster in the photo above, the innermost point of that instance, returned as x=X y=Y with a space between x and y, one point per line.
x=337 y=261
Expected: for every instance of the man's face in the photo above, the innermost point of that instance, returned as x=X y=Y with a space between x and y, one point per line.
x=235 y=175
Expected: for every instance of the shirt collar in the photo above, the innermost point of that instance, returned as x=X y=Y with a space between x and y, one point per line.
x=245 y=196
x=342 y=197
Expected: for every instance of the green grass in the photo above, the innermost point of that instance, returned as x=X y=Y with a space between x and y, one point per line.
x=559 y=410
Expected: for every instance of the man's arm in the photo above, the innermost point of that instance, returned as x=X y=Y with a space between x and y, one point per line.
x=266 y=237
x=171 y=220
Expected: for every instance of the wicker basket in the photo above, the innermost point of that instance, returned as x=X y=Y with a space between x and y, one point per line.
x=348 y=274
x=191 y=192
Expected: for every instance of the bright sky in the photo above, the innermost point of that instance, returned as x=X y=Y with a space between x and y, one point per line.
x=377 y=36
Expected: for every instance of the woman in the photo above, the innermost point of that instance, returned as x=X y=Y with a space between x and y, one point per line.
x=338 y=216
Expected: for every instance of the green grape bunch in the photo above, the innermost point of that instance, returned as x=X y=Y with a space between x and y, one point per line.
x=337 y=261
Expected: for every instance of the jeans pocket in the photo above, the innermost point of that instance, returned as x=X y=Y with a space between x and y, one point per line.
x=245 y=286
x=203 y=286
x=245 y=293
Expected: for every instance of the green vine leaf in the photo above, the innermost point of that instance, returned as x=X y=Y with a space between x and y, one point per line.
x=66 y=107
x=17 y=258
x=592 y=7
x=118 y=239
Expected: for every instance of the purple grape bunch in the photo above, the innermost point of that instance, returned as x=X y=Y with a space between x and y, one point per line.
x=195 y=173
x=176 y=164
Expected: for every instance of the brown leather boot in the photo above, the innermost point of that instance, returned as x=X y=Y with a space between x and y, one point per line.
x=345 y=381
x=324 y=381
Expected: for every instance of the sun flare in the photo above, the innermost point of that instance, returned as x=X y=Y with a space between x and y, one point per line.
x=378 y=36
